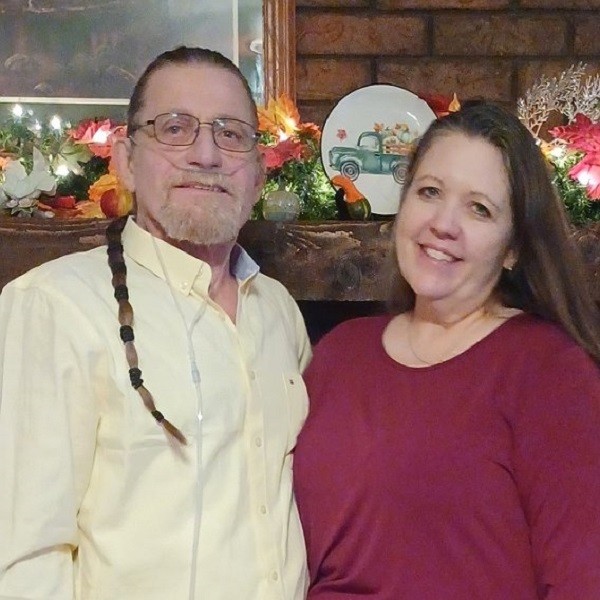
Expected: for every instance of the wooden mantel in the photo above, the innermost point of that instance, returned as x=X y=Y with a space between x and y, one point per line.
x=316 y=261
x=330 y=260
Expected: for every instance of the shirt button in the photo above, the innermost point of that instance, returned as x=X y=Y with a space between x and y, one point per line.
x=252 y=375
x=274 y=576
x=258 y=442
x=263 y=509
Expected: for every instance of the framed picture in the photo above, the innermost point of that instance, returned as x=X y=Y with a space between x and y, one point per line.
x=88 y=54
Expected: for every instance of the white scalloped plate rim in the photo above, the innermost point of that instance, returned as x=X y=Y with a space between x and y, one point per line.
x=359 y=112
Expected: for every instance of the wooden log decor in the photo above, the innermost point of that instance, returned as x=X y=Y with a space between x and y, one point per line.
x=316 y=261
x=26 y=243
x=329 y=260
x=588 y=239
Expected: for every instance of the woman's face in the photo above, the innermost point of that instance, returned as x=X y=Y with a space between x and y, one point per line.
x=454 y=227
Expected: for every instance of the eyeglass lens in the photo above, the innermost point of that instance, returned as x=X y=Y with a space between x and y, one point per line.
x=177 y=129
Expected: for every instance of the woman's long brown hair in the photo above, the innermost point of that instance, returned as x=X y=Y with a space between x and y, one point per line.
x=548 y=278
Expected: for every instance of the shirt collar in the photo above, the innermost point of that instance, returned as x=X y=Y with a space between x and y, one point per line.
x=185 y=272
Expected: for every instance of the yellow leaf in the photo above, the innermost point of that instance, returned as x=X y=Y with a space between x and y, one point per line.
x=454 y=105
x=89 y=210
x=279 y=116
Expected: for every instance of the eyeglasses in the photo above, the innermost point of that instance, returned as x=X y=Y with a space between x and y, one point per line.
x=180 y=129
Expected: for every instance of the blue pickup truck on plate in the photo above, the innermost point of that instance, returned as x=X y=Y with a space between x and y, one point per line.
x=373 y=153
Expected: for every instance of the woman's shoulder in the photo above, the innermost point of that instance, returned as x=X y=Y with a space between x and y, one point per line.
x=537 y=344
x=531 y=331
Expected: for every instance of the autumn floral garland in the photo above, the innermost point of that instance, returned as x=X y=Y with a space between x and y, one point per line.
x=572 y=149
x=292 y=159
x=54 y=170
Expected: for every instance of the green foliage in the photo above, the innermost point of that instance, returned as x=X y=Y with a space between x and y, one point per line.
x=78 y=184
x=19 y=135
x=580 y=208
x=305 y=177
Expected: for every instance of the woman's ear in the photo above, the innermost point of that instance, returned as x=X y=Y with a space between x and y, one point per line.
x=510 y=261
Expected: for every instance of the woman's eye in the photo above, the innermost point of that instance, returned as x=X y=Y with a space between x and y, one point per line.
x=481 y=210
x=428 y=192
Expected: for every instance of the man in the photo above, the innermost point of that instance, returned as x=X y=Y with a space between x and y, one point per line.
x=145 y=441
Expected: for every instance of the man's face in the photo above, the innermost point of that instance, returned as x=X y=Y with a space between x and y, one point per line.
x=197 y=193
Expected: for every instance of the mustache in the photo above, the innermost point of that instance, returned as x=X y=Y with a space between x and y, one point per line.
x=189 y=177
x=186 y=174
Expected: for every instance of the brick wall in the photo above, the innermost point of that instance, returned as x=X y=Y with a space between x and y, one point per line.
x=490 y=48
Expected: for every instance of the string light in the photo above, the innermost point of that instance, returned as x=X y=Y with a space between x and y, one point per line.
x=61 y=170
x=56 y=123
x=101 y=136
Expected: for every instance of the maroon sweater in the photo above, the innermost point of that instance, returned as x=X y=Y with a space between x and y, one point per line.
x=476 y=478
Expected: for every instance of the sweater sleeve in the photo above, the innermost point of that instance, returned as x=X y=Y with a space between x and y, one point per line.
x=47 y=434
x=557 y=471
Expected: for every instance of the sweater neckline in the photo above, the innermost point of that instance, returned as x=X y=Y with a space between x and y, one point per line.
x=458 y=358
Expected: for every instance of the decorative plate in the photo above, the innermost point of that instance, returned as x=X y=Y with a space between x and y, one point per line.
x=367 y=139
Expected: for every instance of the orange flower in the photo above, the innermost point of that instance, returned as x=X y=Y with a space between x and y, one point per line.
x=311 y=130
x=4 y=160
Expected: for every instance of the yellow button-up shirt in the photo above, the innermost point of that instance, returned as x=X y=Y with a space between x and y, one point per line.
x=96 y=502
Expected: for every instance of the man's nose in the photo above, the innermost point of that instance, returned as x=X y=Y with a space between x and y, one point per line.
x=204 y=152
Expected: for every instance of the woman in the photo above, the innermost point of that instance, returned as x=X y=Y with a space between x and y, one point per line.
x=452 y=450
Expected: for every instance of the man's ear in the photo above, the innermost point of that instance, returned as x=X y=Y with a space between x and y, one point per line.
x=121 y=157
x=262 y=165
x=261 y=174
